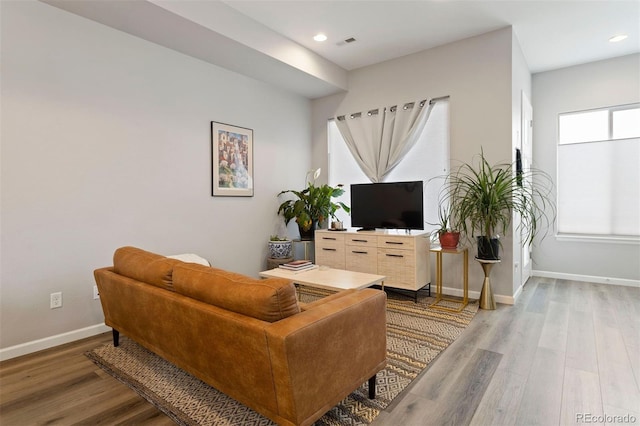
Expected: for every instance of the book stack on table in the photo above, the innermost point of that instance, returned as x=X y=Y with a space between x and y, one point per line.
x=298 y=266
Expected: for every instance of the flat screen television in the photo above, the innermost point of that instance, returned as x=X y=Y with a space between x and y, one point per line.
x=392 y=205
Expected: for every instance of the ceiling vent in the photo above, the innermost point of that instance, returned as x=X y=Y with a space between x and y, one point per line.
x=346 y=41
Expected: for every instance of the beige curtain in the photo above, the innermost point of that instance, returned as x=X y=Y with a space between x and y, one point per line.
x=380 y=138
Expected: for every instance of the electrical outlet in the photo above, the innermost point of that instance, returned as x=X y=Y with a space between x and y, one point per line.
x=55 y=300
x=96 y=294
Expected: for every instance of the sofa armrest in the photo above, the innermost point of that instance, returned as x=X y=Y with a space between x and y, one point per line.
x=321 y=355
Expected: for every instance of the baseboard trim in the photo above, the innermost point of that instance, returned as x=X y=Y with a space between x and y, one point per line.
x=518 y=293
x=586 y=278
x=50 y=342
x=510 y=300
x=505 y=300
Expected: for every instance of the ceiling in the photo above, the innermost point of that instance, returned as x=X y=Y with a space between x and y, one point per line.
x=552 y=34
x=272 y=40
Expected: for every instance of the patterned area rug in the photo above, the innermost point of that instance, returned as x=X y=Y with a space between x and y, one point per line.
x=416 y=335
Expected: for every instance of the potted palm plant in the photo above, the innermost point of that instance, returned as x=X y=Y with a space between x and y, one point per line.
x=483 y=198
x=311 y=206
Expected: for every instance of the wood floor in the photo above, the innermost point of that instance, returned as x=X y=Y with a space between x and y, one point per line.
x=564 y=354
x=566 y=349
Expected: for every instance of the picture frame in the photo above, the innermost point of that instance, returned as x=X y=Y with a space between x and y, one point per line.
x=231 y=160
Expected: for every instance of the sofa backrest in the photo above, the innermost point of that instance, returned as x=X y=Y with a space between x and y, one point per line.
x=269 y=300
x=144 y=266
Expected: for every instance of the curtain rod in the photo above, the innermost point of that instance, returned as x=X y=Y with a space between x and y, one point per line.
x=441 y=98
x=375 y=111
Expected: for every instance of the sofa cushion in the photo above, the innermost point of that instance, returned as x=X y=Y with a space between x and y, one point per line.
x=144 y=266
x=267 y=300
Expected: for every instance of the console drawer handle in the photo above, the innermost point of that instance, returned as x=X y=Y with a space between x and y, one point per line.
x=393 y=242
x=328 y=238
x=395 y=255
x=359 y=252
x=360 y=241
x=328 y=249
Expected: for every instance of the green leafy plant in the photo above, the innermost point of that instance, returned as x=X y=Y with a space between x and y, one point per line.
x=312 y=204
x=278 y=238
x=483 y=197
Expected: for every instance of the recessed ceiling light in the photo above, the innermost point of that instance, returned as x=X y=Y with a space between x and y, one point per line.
x=320 y=37
x=618 y=38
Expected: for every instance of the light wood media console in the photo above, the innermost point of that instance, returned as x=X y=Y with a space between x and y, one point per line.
x=403 y=258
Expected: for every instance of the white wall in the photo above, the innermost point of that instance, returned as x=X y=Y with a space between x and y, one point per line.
x=476 y=74
x=597 y=84
x=105 y=143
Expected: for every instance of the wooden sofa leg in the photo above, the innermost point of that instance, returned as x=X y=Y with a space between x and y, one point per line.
x=116 y=337
x=372 y=387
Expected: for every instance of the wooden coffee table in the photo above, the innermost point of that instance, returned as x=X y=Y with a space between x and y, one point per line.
x=328 y=278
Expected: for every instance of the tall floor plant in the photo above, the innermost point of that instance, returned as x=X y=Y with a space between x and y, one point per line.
x=483 y=197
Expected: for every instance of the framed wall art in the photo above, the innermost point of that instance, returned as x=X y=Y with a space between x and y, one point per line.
x=231 y=160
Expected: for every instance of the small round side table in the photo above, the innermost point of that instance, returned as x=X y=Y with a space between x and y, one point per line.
x=486 y=296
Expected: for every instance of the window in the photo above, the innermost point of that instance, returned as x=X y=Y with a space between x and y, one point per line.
x=429 y=158
x=598 y=173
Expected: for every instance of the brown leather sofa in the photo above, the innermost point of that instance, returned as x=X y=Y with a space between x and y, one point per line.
x=248 y=338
